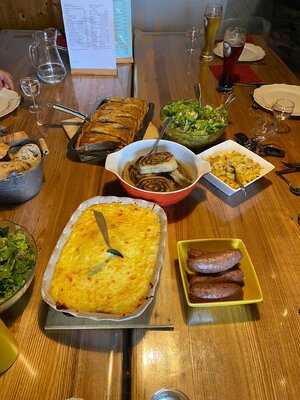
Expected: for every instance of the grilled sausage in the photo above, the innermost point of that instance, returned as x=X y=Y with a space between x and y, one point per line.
x=213 y=262
x=235 y=276
x=208 y=292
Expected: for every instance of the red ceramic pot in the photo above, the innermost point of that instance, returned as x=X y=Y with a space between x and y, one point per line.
x=116 y=162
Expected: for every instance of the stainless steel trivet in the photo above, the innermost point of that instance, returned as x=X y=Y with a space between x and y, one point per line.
x=59 y=321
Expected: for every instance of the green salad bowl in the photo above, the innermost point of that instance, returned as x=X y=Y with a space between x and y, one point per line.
x=192 y=125
x=22 y=274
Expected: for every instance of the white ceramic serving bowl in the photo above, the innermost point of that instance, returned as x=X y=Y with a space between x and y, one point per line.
x=230 y=145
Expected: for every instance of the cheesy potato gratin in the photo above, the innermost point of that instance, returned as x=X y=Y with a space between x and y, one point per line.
x=234 y=168
x=123 y=284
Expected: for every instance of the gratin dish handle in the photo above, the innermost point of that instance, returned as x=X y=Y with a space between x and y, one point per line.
x=112 y=162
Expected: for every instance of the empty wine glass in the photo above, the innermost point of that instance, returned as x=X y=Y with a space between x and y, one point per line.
x=31 y=88
x=263 y=126
x=282 y=109
x=192 y=37
x=44 y=114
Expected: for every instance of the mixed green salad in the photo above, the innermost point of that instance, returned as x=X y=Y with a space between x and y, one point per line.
x=194 y=120
x=17 y=259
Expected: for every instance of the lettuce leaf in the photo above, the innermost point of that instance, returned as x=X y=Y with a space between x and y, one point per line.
x=17 y=260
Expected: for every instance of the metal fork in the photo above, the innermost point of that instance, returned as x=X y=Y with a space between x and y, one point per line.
x=227 y=102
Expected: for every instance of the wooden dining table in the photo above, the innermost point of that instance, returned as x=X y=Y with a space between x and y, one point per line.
x=246 y=352
x=60 y=364
x=241 y=352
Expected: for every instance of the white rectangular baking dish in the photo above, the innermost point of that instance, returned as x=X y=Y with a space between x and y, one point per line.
x=46 y=283
x=230 y=145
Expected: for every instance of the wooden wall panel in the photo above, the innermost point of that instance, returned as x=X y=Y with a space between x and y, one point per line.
x=154 y=15
x=30 y=14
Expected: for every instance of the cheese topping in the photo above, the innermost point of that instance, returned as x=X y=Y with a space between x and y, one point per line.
x=123 y=284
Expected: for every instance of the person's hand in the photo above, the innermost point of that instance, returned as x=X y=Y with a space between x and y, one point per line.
x=6 y=80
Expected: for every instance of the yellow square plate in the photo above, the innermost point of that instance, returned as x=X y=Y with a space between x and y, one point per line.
x=252 y=290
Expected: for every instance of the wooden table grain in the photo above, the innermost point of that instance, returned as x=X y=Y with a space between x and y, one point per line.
x=57 y=366
x=237 y=353
x=240 y=353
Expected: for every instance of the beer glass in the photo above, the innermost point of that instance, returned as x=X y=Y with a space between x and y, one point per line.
x=212 y=21
x=192 y=40
x=233 y=44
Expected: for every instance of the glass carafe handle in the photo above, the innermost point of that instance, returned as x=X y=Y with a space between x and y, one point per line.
x=32 y=49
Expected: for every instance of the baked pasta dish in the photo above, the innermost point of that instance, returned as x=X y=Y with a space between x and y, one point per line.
x=233 y=168
x=122 y=284
x=113 y=125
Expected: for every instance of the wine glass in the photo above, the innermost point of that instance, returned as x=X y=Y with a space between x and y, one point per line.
x=212 y=20
x=282 y=109
x=31 y=88
x=263 y=126
x=192 y=39
x=266 y=126
x=44 y=114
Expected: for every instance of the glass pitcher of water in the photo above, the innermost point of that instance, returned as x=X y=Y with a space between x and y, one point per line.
x=45 y=57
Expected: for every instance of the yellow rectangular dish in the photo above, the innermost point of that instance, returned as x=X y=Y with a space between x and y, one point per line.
x=252 y=290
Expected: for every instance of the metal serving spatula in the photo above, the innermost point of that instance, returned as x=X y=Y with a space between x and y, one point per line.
x=103 y=229
x=100 y=219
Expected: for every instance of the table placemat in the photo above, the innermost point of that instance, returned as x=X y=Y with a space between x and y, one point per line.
x=243 y=73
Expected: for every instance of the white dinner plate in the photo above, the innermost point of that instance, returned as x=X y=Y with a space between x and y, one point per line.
x=250 y=52
x=9 y=101
x=266 y=96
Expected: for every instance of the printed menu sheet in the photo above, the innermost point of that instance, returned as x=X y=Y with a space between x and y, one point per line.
x=90 y=33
